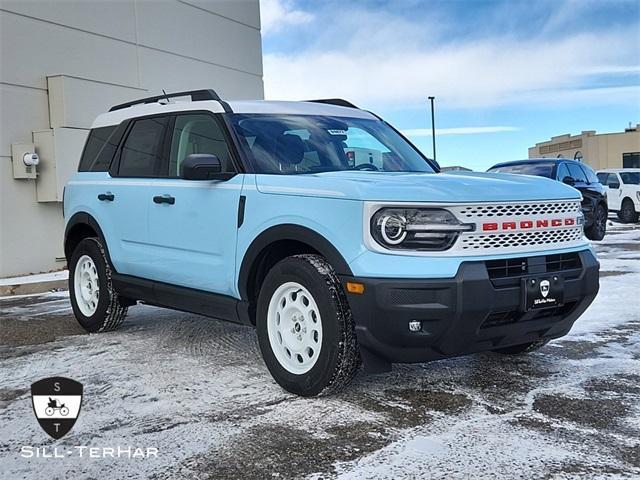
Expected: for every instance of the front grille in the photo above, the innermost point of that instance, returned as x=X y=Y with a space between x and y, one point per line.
x=508 y=317
x=508 y=272
x=520 y=239
x=520 y=226
x=518 y=209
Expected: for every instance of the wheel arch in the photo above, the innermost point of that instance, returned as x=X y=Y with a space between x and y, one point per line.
x=628 y=199
x=276 y=243
x=82 y=225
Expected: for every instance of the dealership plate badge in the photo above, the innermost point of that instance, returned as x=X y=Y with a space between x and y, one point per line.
x=56 y=404
x=544 y=292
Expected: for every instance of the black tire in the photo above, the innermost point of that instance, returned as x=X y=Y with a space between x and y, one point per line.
x=109 y=313
x=521 y=349
x=598 y=228
x=339 y=356
x=628 y=212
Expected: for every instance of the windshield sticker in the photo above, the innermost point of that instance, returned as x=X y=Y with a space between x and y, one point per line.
x=337 y=132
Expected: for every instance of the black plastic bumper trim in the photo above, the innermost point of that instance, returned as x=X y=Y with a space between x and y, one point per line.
x=453 y=313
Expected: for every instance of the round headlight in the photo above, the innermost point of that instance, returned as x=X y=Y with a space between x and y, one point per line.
x=393 y=229
x=416 y=228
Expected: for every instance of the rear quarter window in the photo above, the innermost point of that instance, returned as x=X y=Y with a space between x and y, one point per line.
x=99 y=150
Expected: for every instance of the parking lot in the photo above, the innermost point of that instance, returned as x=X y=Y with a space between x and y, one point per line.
x=197 y=389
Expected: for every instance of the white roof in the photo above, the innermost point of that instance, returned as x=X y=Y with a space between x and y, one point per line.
x=243 y=106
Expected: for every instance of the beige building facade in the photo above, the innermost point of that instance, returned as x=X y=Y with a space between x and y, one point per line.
x=607 y=150
x=62 y=63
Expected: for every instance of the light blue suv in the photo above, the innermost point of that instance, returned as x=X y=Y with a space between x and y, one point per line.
x=322 y=226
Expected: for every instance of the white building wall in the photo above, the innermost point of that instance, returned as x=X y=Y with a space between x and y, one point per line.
x=62 y=63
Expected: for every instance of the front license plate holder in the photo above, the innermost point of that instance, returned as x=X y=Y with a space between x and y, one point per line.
x=545 y=291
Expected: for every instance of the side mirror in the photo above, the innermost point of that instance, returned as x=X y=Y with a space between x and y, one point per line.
x=203 y=166
x=614 y=186
x=569 y=181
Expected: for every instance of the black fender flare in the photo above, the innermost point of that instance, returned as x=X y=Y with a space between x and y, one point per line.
x=84 y=218
x=291 y=232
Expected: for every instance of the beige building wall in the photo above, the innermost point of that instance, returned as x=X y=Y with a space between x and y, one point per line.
x=598 y=150
x=62 y=63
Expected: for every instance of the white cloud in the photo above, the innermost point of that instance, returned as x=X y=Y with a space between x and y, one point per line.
x=426 y=132
x=380 y=59
x=277 y=14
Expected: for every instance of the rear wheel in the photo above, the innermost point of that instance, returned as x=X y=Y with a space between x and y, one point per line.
x=523 y=348
x=628 y=212
x=598 y=228
x=95 y=303
x=305 y=328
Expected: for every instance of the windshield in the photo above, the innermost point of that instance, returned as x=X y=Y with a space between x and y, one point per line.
x=632 y=178
x=290 y=144
x=542 y=169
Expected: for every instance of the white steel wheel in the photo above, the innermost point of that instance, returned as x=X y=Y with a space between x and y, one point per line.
x=294 y=328
x=87 y=285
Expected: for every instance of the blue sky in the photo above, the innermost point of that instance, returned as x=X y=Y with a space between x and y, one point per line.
x=505 y=74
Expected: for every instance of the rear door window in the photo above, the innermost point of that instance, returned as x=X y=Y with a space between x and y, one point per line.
x=142 y=152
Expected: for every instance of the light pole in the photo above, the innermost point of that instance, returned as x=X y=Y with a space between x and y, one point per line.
x=433 y=127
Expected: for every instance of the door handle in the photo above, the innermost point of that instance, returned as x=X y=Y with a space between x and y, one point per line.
x=106 y=197
x=164 y=199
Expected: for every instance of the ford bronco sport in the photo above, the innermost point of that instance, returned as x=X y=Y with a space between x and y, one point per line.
x=321 y=225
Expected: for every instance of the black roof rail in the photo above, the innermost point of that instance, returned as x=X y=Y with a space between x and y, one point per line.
x=334 y=101
x=196 y=96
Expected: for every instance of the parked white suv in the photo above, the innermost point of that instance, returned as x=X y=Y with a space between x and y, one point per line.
x=623 y=192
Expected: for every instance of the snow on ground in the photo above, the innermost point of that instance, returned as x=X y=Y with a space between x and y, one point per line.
x=197 y=390
x=40 y=277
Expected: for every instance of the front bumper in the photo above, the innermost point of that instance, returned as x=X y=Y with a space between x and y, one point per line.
x=475 y=311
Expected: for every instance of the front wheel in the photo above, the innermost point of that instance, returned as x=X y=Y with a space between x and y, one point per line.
x=628 y=212
x=598 y=228
x=305 y=327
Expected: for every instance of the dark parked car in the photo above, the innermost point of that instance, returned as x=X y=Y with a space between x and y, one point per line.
x=576 y=174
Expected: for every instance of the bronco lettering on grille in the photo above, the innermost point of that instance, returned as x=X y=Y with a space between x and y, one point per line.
x=528 y=224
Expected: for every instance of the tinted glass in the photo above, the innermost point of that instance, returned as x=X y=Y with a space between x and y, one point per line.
x=197 y=133
x=632 y=178
x=590 y=174
x=612 y=181
x=576 y=172
x=289 y=144
x=602 y=178
x=142 y=150
x=99 y=149
x=539 y=169
x=563 y=172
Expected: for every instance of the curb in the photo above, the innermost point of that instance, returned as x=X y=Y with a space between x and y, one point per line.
x=31 y=288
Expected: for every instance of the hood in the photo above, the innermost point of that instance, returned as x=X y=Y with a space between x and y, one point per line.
x=453 y=187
